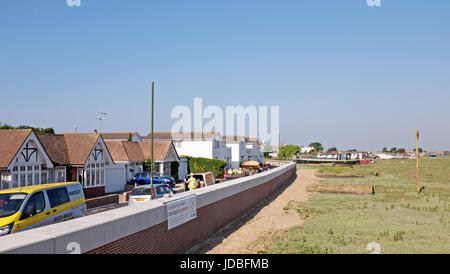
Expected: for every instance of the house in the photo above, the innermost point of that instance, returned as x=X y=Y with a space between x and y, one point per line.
x=196 y=144
x=122 y=136
x=243 y=149
x=132 y=155
x=254 y=150
x=86 y=159
x=24 y=161
x=237 y=144
x=307 y=149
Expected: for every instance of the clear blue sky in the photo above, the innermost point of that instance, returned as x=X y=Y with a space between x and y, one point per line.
x=343 y=73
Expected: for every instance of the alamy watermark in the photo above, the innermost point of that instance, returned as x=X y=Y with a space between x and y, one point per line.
x=73 y=3
x=373 y=3
x=232 y=122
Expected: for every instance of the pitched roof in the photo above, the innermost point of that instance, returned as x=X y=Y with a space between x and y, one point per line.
x=79 y=145
x=160 y=149
x=138 y=151
x=55 y=146
x=117 y=150
x=205 y=135
x=10 y=142
x=233 y=138
x=116 y=135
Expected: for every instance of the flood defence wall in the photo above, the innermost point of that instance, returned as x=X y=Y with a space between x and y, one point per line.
x=144 y=228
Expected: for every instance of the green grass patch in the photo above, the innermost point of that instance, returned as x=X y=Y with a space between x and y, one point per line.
x=395 y=217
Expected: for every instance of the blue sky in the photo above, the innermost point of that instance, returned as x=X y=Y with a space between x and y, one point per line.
x=343 y=73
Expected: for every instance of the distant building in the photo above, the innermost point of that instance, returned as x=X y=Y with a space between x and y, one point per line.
x=122 y=136
x=196 y=144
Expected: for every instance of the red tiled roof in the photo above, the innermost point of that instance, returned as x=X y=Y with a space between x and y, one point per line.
x=79 y=145
x=138 y=151
x=55 y=146
x=10 y=142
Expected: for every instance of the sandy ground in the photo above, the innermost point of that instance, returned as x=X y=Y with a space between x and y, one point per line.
x=248 y=234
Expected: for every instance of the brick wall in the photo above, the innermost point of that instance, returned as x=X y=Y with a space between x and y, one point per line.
x=92 y=192
x=210 y=218
x=102 y=201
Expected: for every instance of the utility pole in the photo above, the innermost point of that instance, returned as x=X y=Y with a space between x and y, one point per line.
x=151 y=162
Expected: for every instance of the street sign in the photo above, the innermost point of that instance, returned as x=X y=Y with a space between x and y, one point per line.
x=181 y=211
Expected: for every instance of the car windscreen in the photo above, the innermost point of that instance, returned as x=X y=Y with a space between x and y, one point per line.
x=10 y=203
x=141 y=191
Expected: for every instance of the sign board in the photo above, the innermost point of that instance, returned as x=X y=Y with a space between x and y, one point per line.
x=181 y=211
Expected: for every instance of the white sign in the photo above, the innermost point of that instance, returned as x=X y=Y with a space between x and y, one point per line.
x=181 y=211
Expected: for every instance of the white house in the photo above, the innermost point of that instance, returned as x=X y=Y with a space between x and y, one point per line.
x=238 y=147
x=196 y=144
x=24 y=161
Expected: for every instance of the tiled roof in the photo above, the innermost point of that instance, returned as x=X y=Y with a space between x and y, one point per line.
x=55 y=146
x=79 y=145
x=207 y=135
x=117 y=150
x=160 y=149
x=117 y=135
x=138 y=151
x=10 y=142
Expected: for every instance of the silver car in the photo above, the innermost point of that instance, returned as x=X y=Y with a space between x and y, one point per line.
x=142 y=193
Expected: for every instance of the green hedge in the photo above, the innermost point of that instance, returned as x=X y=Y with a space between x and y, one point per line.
x=198 y=165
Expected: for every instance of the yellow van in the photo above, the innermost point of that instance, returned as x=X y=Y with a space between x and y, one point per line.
x=28 y=207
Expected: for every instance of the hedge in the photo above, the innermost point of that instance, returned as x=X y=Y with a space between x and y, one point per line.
x=199 y=165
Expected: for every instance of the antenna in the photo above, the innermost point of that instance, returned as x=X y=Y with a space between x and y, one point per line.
x=100 y=119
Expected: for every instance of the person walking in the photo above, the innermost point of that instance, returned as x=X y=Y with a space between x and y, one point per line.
x=192 y=184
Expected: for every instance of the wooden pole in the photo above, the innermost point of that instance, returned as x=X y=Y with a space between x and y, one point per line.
x=417 y=161
x=151 y=162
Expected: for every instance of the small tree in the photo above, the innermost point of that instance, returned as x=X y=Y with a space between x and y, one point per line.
x=317 y=146
x=385 y=149
x=130 y=138
x=401 y=150
x=393 y=150
x=333 y=149
x=287 y=151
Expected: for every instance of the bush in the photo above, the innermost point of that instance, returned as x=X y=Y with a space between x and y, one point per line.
x=174 y=170
x=198 y=165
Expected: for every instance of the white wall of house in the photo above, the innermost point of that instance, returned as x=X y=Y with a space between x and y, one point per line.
x=115 y=178
x=211 y=149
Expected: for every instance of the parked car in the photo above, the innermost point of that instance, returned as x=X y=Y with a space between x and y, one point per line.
x=203 y=179
x=28 y=207
x=143 y=193
x=143 y=178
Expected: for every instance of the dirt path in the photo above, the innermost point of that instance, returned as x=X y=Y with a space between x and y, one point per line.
x=248 y=234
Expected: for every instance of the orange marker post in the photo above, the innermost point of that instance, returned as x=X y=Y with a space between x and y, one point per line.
x=417 y=161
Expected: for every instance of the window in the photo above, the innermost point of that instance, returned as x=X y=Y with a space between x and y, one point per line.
x=29 y=179
x=44 y=178
x=161 y=190
x=22 y=179
x=88 y=177
x=58 y=196
x=35 y=205
x=36 y=178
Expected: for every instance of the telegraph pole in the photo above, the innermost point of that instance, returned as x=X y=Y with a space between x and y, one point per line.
x=151 y=162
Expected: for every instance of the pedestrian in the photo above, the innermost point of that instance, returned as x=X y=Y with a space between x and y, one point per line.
x=192 y=184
